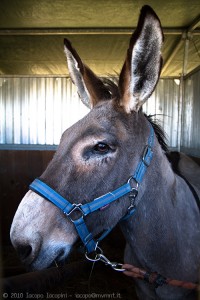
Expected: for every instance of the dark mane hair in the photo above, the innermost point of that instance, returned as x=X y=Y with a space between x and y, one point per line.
x=112 y=87
x=159 y=132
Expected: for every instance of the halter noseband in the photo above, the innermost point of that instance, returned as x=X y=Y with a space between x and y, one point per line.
x=83 y=210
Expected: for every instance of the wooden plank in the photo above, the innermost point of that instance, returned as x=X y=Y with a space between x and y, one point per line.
x=18 y=169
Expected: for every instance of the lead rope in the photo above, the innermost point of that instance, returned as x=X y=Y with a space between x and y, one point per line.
x=157 y=279
x=153 y=278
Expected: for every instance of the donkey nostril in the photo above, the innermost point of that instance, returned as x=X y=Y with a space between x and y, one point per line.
x=24 y=251
x=27 y=246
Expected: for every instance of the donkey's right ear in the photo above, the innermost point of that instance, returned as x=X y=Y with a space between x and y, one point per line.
x=91 y=89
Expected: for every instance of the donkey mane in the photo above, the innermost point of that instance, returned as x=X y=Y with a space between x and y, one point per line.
x=159 y=132
x=112 y=87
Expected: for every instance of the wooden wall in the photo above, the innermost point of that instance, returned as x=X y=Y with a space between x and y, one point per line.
x=18 y=168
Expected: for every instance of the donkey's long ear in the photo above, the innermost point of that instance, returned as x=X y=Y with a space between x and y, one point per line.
x=142 y=66
x=91 y=89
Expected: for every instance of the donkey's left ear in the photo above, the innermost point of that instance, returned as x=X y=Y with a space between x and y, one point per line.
x=143 y=63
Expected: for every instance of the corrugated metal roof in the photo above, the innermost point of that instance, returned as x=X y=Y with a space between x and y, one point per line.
x=32 y=32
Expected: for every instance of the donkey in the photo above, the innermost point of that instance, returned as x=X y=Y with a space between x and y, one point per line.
x=98 y=156
x=186 y=167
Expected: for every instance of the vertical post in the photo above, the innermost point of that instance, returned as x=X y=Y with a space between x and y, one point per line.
x=180 y=110
x=185 y=55
x=181 y=90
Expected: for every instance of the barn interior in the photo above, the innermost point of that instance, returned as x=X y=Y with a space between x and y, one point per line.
x=38 y=100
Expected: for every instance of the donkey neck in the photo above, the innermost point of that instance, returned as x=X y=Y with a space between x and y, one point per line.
x=154 y=235
x=159 y=176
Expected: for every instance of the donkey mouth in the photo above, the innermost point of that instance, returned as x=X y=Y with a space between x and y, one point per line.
x=50 y=258
x=61 y=258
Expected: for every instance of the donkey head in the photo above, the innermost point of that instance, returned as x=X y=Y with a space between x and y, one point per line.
x=95 y=155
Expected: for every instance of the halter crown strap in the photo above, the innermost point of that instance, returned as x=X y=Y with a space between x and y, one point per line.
x=146 y=158
x=77 y=212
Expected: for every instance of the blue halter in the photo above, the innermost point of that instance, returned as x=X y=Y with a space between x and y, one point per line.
x=82 y=210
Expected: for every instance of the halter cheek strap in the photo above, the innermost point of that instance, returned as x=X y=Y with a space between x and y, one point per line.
x=77 y=212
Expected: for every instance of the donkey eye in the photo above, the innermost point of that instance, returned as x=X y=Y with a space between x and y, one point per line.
x=101 y=148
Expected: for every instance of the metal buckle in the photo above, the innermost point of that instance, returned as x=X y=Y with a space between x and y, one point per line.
x=76 y=209
x=147 y=147
x=132 y=194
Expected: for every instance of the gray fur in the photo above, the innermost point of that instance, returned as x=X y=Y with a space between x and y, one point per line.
x=163 y=235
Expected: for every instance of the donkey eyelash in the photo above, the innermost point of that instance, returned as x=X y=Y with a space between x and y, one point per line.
x=101 y=148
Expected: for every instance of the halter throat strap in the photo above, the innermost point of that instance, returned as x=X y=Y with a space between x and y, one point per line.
x=77 y=212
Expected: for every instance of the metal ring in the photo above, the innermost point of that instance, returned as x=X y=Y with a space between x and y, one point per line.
x=129 y=181
x=97 y=256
